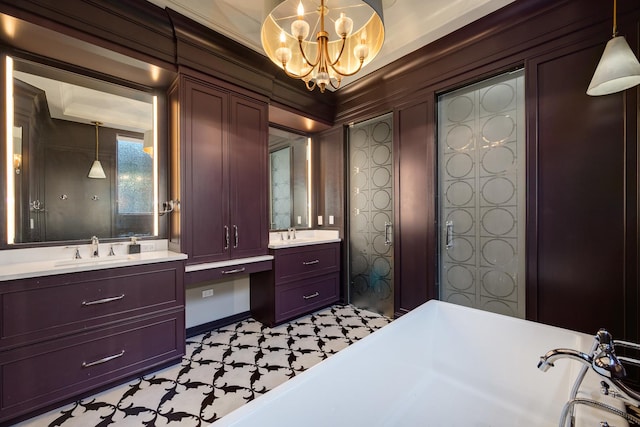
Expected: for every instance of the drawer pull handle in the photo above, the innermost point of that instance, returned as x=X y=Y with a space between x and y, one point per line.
x=237 y=270
x=102 y=301
x=103 y=360
x=313 y=295
x=315 y=261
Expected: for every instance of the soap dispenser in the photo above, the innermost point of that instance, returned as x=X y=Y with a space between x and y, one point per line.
x=134 y=246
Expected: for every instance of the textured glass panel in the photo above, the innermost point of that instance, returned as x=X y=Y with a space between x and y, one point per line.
x=281 y=188
x=135 y=178
x=371 y=215
x=481 y=160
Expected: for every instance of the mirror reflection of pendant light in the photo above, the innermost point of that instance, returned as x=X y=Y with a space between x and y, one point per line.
x=96 y=168
x=618 y=68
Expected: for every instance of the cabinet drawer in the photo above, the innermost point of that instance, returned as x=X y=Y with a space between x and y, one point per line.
x=227 y=272
x=41 y=374
x=297 y=298
x=37 y=309
x=300 y=262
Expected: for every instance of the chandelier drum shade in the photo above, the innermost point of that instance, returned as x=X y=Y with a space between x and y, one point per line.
x=323 y=41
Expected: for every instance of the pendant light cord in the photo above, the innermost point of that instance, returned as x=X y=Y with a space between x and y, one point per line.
x=615 y=23
x=97 y=143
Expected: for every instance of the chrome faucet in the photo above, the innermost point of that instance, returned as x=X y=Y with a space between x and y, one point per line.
x=291 y=233
x=95 y=247
x=548 y=359
x=604 y=360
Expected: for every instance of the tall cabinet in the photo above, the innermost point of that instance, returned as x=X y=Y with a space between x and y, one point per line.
x=220 y=136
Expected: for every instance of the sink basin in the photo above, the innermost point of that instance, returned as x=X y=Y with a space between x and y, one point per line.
x=91 y=261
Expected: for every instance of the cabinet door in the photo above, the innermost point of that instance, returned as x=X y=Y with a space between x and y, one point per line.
x=206 y=199
x=248 y=178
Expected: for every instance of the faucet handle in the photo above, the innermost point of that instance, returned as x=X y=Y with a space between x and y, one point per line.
x=606 y=363
x=76 y=253
x=604 y=337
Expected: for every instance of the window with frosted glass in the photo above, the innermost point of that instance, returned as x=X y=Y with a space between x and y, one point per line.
x=135 y=177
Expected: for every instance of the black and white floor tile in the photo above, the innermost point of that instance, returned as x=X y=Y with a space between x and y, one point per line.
x=222 y=370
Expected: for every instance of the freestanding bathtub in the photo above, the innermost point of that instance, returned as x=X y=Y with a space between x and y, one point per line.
x=440 y=365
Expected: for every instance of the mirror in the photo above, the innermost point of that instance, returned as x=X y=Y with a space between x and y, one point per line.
x=289 y=167
x=60 y=124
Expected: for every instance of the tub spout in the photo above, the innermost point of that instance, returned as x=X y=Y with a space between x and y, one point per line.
x=547 y=360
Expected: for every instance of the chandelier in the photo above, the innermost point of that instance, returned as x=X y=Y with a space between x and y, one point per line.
x=327 y=59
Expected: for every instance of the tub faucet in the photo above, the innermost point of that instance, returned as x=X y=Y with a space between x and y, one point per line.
x=603 y=360
x=548 y=359
x=95 y=247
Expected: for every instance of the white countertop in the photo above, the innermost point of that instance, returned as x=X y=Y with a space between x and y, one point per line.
x=48 y=261
x=281 y=240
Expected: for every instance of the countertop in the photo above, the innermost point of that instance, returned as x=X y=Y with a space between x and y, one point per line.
x=36 y=262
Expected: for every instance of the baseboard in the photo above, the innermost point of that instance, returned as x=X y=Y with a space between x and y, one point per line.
x=226 y=321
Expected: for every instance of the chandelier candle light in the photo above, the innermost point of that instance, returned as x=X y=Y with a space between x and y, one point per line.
x=324 y=61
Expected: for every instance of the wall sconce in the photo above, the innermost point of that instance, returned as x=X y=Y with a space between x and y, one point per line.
x=17 y=162
x=148 y=143
x=169 y=206
x=96 y=168
x=618 y=68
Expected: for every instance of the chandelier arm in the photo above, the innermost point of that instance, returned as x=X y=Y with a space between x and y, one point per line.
x=304 y=55
x=310 y=87
x=326 y=47
x=293 y=75
x=343 y=74
x=336 y=87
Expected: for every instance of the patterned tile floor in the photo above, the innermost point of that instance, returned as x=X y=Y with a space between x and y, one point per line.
x=222 y=370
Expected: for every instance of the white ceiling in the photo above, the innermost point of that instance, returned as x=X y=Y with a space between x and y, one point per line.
x=409 y=24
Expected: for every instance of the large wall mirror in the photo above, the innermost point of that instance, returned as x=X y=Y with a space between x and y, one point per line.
x=60 y=127
x=290 y=171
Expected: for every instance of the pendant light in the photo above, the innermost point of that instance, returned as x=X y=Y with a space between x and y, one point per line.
x=96 y=168
x=618 y=68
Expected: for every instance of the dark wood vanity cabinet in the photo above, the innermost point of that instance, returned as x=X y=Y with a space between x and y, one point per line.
x=65 y=335
x=221 y=137
x=303 y=279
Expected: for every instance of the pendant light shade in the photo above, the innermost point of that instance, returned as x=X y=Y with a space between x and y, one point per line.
x=618 y=68
x=96 y=168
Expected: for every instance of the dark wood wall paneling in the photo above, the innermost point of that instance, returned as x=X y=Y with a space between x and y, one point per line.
x=582 y=177
x=582 y=195
x=329 y=178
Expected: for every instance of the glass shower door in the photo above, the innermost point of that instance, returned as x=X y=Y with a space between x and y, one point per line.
x=371 y=215
x=481 y=160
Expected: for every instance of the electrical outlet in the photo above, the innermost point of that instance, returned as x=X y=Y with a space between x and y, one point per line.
x=147 y=247
x=207 y=293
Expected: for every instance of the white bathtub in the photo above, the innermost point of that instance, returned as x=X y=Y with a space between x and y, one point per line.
x=440 y=365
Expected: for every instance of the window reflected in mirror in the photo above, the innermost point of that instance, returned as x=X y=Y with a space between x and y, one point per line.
x=64 y=124
x=289 y=165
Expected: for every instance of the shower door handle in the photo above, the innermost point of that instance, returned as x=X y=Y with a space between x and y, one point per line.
x=449 y=237
x=387 y=233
